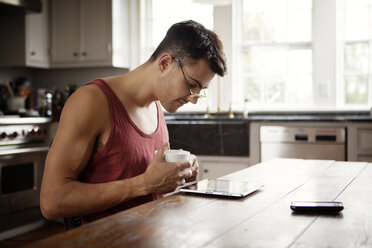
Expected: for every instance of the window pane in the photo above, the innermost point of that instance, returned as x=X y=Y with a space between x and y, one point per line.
x=274 y=90
x=300 y=61
x=279 y=21
x=182 y=10
x=254 y=6
x=252 y=60
x=299 y=26
x=300 y=5
x=275 y=73
x=252 y=27
x=252 y=89
x=356 y=3
x=265 y=60
x=274 y=27
x=357 y=58
x=357 y=23
x=357 y=52
x=299 y=89
x=356 y=89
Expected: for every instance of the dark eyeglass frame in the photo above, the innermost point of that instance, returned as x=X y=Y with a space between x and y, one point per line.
x=192 y=95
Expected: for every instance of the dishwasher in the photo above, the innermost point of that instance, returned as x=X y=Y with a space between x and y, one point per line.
x=302 y=142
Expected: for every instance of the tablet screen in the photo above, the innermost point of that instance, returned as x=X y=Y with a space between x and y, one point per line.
x=222 y=187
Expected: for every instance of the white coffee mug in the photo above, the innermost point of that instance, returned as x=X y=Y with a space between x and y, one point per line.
x=176 y=155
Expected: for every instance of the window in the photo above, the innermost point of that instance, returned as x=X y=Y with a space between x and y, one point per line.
x=357 y=52
x=161 y=14
x=282 y=54
x=275 y=57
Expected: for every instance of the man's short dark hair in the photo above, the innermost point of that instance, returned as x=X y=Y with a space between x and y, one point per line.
x=190 y=41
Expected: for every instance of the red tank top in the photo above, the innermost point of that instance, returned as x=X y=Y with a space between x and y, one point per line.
x=127 y=152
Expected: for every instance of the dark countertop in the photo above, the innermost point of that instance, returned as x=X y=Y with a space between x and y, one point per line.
x=199 y=118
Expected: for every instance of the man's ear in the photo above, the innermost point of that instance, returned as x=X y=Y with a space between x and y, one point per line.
x=164 y=61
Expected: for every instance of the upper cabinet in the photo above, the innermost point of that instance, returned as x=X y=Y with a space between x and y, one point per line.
x=37 y=38
x=81 y=33
x=69 y=33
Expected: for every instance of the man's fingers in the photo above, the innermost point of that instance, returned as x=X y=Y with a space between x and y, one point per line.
x=181 y=182
x=186 y=173
x=185 y=164
x=161 y=150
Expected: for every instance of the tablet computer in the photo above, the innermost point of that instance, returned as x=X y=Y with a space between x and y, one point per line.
x=230 y=188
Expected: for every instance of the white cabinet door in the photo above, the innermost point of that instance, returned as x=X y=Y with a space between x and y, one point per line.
x=212 y=167
x=37 y=38
x=82 y=33
x=65 y=31
x=96 y=31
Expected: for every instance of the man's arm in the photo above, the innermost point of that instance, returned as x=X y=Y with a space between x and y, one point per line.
x=84 y=118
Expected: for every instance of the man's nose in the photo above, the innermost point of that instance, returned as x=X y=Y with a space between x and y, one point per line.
x=193 y=100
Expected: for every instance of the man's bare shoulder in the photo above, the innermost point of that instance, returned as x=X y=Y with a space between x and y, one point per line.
x=87 y=105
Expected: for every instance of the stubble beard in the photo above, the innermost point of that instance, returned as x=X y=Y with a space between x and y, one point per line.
x=170 y=107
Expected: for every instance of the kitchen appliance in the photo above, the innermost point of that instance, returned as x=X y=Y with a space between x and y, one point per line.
x=20 y=6
x=302 y=142
x=23 y=149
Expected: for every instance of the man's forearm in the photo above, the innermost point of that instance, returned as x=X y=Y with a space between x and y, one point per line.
x=74 y=198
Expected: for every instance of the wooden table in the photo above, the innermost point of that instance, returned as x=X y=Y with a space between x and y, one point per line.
x=262 y=219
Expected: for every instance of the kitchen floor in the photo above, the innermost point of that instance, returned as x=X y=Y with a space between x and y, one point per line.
x=49 y=229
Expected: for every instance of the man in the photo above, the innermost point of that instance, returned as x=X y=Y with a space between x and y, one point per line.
x=103 y=159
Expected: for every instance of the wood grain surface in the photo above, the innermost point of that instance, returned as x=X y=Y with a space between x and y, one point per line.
x=262 y=219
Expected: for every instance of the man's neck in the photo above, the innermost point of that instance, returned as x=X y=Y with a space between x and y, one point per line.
x=139 y=85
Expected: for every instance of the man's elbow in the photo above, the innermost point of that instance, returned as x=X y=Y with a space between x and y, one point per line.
x=48 y=208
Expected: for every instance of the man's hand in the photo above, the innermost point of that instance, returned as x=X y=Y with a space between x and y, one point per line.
x=194 y=168
x=164 y=177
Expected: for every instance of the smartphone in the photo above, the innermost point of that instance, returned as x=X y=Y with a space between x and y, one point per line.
x=317 y=206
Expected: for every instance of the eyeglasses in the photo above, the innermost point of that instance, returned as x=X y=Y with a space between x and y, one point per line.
x=192 y=95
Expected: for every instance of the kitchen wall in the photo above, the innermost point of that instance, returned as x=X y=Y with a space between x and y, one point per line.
x=8 y=74
x=58 y=78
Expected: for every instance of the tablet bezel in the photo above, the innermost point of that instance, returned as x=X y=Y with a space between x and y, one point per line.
x=252 y=187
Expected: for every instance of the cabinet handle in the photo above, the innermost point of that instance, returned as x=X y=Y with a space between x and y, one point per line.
x=205 y=171
x=84 y=54
x=33 y=53
x=75 y=54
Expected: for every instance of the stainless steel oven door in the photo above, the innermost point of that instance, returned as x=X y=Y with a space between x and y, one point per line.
x=21 y=171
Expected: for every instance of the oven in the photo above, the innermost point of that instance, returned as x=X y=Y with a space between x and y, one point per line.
x=24 y=143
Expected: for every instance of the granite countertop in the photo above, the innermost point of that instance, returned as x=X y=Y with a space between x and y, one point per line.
x=270 y=116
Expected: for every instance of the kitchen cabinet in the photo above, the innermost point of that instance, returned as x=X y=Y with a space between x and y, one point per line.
x=217 y=166
x=37 y=38
x=25 y=39
x=12 y=46
x=70 y=33
x=88 y=33
x=82 y=33
x=360 y=142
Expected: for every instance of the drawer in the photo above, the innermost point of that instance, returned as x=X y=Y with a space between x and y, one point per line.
x=364 y=139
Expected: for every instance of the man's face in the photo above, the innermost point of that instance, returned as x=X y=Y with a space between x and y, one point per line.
x=181 y=81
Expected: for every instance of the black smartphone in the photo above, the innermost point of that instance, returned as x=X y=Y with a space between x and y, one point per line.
x=317 y=206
